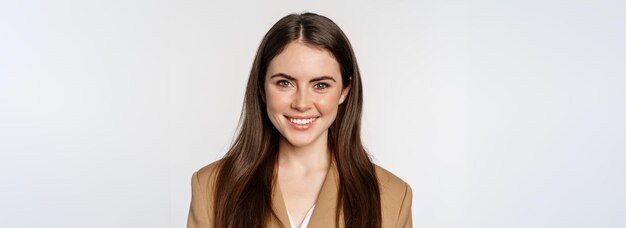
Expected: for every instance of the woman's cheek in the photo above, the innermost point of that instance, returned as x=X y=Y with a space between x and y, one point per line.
x=326 y=103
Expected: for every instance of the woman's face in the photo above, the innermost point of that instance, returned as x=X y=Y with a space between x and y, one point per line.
x=303 y=89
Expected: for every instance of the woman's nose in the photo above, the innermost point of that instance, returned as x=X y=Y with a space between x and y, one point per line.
x=302 y=101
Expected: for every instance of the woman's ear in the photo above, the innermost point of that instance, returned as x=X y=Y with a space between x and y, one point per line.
x=262 y=94
x=345 y=92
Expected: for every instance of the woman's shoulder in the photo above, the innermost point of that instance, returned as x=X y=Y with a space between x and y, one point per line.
x=206 y=175
x=210 y=169
x=202 y=190
x=389 y=180
x=396 y=199
x=393 y=189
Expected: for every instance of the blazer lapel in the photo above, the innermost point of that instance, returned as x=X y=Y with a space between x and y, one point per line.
x=326 y=205
x=278 y=205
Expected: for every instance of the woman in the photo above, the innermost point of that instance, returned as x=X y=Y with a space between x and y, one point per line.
x=297 y=160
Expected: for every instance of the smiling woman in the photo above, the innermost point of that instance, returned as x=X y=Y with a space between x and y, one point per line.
x=298 y=160
x=303 y=106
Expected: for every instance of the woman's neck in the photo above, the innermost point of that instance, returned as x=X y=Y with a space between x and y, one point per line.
x=312 y=157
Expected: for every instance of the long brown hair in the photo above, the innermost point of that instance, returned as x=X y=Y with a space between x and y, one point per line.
x=246 y=174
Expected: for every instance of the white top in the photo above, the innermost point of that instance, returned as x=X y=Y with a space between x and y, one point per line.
x=305 y=222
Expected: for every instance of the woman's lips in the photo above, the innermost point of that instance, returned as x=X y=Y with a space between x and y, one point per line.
x=302 y=123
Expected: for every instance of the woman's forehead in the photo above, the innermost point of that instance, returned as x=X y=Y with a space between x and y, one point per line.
x=303 y=61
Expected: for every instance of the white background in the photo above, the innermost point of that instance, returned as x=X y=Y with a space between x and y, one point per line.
x=497 y=113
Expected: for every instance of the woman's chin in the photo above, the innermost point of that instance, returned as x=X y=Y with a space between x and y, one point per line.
x=299 y=142
x=302 y=139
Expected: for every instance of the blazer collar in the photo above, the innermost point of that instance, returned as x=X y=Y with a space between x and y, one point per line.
x=325 y=205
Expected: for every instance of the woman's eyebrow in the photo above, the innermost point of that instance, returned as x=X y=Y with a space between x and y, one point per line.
x=323 y=78
x=320 y=78
x=283 y=75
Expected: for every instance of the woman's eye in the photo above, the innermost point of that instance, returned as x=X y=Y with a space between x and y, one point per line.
x=321 y=86
x=283 y=83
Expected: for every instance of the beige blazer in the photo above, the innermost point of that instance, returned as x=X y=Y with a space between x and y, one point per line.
x=396 y=198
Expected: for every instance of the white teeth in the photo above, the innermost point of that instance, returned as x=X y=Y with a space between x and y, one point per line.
x=301 y=121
